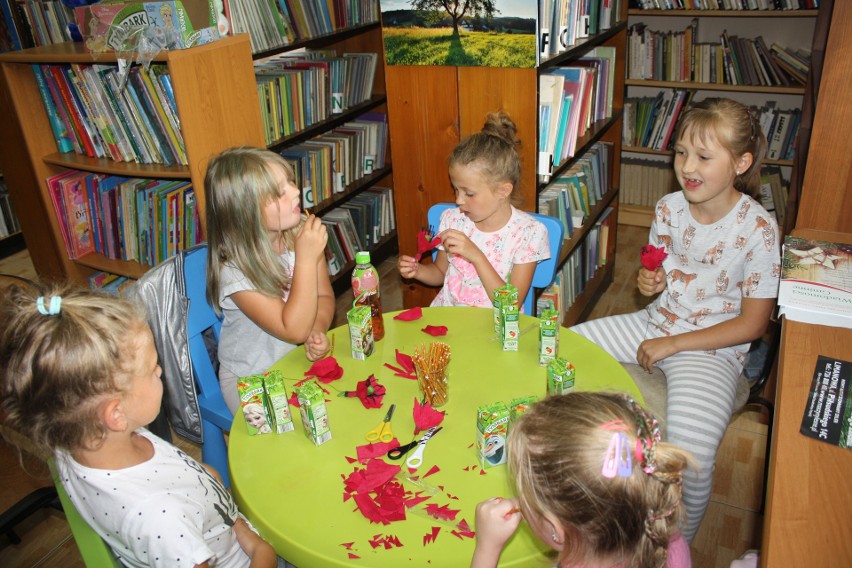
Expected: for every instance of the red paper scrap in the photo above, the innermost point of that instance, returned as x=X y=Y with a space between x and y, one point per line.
x=347 y=545
x=425 y=416
x=325 y=370
x=378 y=496
x=430 y=537
x=376 y=450
x=350 y=460
x=435 y=330
x=652 y=257
x=354 y=556
x=406 y=368
x=481 y=472
x=441 y=512
x=435 y=469
x=410 y=315
x=416 y=500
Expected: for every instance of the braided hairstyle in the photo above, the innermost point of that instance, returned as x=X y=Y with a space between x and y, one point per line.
x=556 y=454
x=494 y=152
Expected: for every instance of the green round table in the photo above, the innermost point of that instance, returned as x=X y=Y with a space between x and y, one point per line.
x=293 y=492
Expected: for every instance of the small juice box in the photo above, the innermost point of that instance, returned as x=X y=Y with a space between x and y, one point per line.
x=276 y=395
x=492 y=427
x=506 y=294
x=313 y=411
x=253 y=403
x=560 y=376
x=360 y=331
x=509 y=327
x=548 y=336
x=520 y=405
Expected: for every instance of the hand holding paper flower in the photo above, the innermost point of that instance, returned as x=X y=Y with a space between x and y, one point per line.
x=652 y=257
x=426 y=241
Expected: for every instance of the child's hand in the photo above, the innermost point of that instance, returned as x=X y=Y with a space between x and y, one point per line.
x=456 y=242
x=497 y=519
x=650 y=282
x=317 y=346
x=312 y=238
x=407 y=266
x=652 y=350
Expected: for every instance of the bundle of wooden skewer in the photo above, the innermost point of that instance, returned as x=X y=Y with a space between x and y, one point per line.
x=430 y=362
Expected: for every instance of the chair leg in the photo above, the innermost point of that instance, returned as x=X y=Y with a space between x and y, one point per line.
x=38 y=499
x=214 y=451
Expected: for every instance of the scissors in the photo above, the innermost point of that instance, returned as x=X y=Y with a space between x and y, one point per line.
x=383 y=431
x=416 y=459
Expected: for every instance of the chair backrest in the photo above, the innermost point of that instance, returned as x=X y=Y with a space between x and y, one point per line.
x=95 y=552
x=215 y=415
x=544 y=271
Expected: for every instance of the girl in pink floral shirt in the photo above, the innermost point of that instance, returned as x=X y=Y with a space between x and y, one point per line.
x=486 y=241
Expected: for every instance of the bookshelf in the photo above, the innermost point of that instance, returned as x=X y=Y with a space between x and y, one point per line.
x=433 y=107
x=789 y=28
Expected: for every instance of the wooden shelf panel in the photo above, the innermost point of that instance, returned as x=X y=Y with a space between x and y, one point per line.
x=715 y=87
x=129 y=268
x=593 y=290
x=636 y=215
x=324 y=126
x=126 y=169
x=353 y=189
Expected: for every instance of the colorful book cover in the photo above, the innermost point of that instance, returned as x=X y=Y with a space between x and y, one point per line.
x=60 y=130
x=73 y=189
x=828 y=414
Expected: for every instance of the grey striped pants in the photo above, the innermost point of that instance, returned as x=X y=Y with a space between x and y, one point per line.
x=700 y=399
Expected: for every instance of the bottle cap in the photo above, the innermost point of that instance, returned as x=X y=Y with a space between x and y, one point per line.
x=362 y=257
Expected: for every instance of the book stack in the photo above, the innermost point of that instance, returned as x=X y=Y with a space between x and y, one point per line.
x=124 y=218
x=644 y=182
x=9 y=224
x=732 y=5
x=359 y=224
x=110 y=283
x=816 y=282
x=34 y=23
x=773 y=193
x=562 y=23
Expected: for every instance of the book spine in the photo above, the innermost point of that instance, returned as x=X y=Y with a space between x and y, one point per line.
x=60 y=129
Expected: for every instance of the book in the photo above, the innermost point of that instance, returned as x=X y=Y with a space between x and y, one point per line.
x=60 y=129
x=828 y=413
x=816 y=282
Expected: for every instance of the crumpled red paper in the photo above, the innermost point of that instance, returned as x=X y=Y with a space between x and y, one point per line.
x=406 y=368
x=435 y=330
x=414 y=313
x=368 y=391
x=426 y=242
x=425 y=416
x=652 y=257
x=325 y=370
x=375 y=450
x=378 y=495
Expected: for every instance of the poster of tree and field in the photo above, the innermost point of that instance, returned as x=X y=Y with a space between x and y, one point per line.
x=476 y=33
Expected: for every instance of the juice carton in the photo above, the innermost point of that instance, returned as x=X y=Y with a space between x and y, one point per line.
x=360 y=320
x=520 y=405
x=548 y=336
x=253 y=403
x=509 y=327
x=506 y=294
x=560 y=376
x=313 y=411
x=276 y=396
x=492 y=427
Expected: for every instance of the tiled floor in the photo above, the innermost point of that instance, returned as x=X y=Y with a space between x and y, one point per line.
x=731 y=526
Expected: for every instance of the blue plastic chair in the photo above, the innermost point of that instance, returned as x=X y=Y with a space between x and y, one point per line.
x=545 y=270
x=216 y=418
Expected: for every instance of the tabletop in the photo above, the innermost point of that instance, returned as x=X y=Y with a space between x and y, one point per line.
x=293 y=491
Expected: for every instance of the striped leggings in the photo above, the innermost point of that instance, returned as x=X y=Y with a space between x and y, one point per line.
x=701 y=388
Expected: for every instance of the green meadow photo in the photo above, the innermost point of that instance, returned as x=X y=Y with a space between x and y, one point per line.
x=486 y=33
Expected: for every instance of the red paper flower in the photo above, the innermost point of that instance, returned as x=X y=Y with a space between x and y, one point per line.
x=435 y=330
x=325 y=370
x=406 y=368
x=369 y=392
x=652 y=257
x=425 y=416
x=410 y=315
x=425 y=242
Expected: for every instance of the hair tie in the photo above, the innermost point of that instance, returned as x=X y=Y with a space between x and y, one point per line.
x=53 y=308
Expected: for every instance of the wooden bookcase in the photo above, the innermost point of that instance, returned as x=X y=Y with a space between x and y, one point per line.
x=433 y=108
x=790 y=28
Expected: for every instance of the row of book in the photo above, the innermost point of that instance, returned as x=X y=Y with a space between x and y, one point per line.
x=677 y=56
x=9 y=224
x=571 y=100
x=725 y=4
x=774 y=190
x=111 y=283
x=299 y=89
x=33 y=23
x=277 y=23
x=96 y=112
x=145 y=220
x=564 y=23
x=644 y=182
x=581 y=266
x=572 y=195
x=358 y=224
x=329 y=163
x=650 y=122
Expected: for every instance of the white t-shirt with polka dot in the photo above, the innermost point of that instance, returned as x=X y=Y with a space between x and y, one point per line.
x=168 y=511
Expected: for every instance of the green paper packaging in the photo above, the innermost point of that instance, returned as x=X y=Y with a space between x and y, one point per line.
x=504 y=295
x=520 y=405
x=360 y=332
x=548 y=336
x=509 y=327
x=492 y=427
x=560 y=376
x=314 y=414
x=254 y=406
x=279 y=406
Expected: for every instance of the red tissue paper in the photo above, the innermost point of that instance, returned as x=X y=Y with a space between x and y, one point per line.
x=425 y=416
x=410 y=315
x=368 y=391
x=406 y=368
x=325 y=370
x=435 y=330
x=652 y=257
x=377 y=494
x=425 y=243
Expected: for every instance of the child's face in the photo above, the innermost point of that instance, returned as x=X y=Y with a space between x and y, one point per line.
x=705 y=171
x=142 y=402
x=283 y=212
x=474 y=196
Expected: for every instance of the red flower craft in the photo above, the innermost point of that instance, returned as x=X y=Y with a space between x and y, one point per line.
x=406 y=368
x=425 y=243
x=325 y=370
x=652 y=257
x=369 y=392
x=425 y=416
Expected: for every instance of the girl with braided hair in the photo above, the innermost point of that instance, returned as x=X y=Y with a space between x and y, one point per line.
x=487 y=242
x=594 y=482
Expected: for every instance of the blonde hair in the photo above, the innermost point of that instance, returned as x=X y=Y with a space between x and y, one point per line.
x=556 y=454
x=494 y=152
x=239 y=184
x=57 y=369
x=736 y=128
